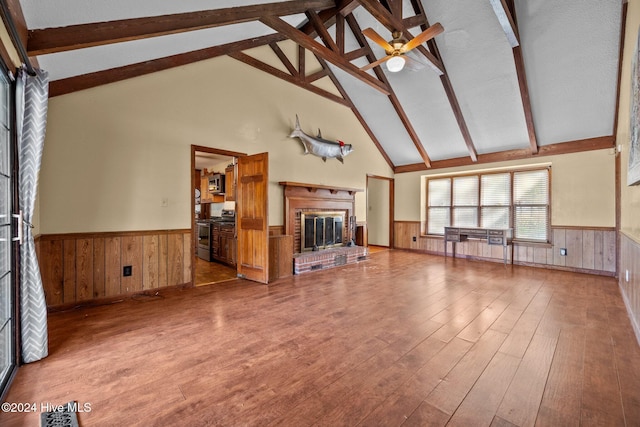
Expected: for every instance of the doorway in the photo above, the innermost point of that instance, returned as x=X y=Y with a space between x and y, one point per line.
x=380 y=211
x=216 y=262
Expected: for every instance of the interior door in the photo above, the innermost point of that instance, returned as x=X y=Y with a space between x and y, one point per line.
x=252 y=217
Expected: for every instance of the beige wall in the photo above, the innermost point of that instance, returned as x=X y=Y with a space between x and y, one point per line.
x=582 y=188
x=112 y=153
x=630 y=196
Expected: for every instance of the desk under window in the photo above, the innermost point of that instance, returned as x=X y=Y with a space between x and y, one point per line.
x=493 y=236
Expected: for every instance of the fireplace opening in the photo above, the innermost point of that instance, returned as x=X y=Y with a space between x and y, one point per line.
x=321 y=230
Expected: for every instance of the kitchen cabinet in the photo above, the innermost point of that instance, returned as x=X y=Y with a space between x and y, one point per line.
x=205 y=195
x=228 y=244
x=215 y=241
x=224 y=244
x=230 y=183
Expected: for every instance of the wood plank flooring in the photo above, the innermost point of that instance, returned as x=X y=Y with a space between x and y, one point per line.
x=401 y=339
x=207 y=273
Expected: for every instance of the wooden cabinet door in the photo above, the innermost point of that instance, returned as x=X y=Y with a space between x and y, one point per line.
x=252 y=217
x=204 y=190
x=230 y=184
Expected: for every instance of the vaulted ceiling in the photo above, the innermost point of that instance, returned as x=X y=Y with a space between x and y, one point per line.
x=505 y=79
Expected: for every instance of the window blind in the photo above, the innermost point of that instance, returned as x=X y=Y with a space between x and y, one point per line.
x=531 y=204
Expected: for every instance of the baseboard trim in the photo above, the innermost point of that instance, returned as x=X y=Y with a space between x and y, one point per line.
x=634 y=322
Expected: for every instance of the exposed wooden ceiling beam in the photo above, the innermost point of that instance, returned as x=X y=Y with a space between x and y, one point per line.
x=504 y=14
x=395 y=7
x=382 y=15
x=294 y=79
x=87 y=81
x=50 y=40
x=283 y=58
x=321 y=31
x=590 y=144
x=522 y=78
x=395 y=102
x=325 y=53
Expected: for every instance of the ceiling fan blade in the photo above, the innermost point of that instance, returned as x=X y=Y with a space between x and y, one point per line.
x=374 y=64
x=427 y=34
x=371 y=34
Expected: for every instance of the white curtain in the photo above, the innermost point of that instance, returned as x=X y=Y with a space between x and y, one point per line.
x=31 y=119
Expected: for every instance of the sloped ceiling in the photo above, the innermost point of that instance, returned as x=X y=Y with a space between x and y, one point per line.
x=506 y=79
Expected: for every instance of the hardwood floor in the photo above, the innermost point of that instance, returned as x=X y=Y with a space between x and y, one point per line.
x=208 y=273
x=401 y=339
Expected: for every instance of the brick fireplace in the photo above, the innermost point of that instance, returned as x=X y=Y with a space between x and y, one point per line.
x=321 y=220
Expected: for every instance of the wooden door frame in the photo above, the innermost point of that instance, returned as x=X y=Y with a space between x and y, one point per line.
x=209 y=150
x=391 y=203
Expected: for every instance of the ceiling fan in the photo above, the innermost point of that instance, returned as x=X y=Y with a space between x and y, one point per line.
x=398 y=46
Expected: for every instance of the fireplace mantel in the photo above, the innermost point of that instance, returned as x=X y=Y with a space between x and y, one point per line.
x=312 y=188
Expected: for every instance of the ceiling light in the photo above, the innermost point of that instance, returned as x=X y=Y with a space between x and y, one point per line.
x=395 y=63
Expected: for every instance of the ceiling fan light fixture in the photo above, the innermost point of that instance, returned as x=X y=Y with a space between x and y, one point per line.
x=395 y=63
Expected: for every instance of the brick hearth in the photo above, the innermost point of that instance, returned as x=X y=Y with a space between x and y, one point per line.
x=328 y=258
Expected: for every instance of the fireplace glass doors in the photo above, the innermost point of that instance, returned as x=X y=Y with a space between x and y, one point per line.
x=321 y=230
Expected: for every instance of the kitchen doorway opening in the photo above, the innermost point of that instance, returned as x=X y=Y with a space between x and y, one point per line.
x=214 y=237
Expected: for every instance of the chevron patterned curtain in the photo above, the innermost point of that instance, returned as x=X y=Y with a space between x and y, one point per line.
x=31 y=120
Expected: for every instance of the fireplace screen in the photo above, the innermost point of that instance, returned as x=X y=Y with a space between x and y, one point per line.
x=321 y=230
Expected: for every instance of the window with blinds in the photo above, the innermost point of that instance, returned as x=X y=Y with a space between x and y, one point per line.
x=518 y=199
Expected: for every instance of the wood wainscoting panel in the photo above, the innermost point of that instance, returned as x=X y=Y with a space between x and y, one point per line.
x=589 y=249
x=132 y=256
x=84 y=269
x=629 y=279
x=99 y=268
x=51 y=270
x=163 y=260
x=69 y=271
x=150 y=258
x=87 y=266
x=112 y=264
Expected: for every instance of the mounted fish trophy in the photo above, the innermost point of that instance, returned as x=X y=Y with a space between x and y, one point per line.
x=321 y=147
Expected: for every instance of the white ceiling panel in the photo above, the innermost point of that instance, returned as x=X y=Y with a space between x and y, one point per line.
x=571 y=57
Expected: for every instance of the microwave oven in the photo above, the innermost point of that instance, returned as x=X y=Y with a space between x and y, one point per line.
x=216 y=183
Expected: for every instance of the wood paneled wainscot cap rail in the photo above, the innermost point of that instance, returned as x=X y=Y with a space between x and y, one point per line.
x=493 y=236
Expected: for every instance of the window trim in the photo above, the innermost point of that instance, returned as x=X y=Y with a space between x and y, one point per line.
x=511 y=171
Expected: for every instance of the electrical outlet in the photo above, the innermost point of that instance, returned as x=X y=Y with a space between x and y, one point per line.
x=563 y=251
x=127 y=270
x=415 y=238
x=626 y=275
